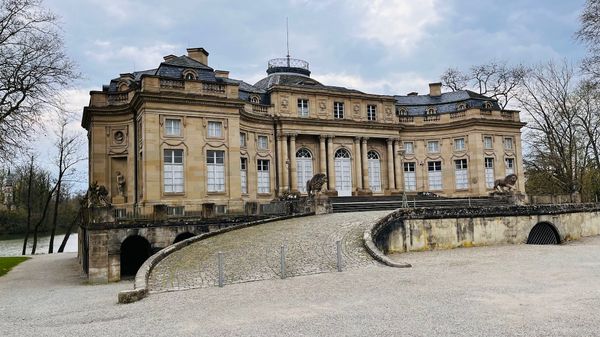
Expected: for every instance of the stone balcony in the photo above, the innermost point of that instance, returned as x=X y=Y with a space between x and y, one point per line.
x=434 y=119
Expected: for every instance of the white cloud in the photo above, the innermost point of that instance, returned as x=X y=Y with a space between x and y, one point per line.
x=397 y=24
x=393 y=84
x=142 y=57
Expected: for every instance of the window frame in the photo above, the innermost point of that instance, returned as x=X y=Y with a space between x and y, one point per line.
x=263 y=176
x=461 y=174
x=215 y=168
x=485 y=145
x=371 y=112
x=243 y=139
x=303 y=107
x=410 y=176
x=459 y=141
x=259 y=145
x=168 y=127
x=489 y=172
x=509 y=141
x=429 y=149
x=338 y=110
x=244 y=175
x=210 y=131
x=170 y=167
x=435 y=173
x=412 y=147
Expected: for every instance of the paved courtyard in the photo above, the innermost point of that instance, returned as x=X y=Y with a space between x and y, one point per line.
x=253 y=253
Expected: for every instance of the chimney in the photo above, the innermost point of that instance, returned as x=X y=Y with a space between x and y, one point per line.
x=169 y=57
x=198 y=54
x=222 y=73
x=435 y=89
x=414 y=93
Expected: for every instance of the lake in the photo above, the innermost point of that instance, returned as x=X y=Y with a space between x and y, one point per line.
x=13 y=247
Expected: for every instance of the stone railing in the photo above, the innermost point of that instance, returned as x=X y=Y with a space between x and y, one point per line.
x=407 y=119
x=431 y=118
x=213 y=88
x=258 y=108
x=118 y=98
x=458 y=114
x=172 y=84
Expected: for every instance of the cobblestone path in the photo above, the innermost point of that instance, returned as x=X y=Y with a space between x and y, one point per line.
x=253 y=253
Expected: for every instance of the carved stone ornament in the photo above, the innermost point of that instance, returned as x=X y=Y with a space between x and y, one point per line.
x=322 y=105
x=284 y=103
x=356 y=107
x=119 y=137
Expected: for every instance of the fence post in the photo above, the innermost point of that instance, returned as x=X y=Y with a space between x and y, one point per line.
x=338 y=244
x=282 y=261
x=221 y=278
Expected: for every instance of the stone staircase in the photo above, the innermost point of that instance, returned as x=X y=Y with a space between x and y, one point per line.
x=380 y=203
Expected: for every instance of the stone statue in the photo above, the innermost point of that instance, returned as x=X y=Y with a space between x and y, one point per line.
x=120 y=183
x=505 y=185
x=97 y=196
x=314 y=185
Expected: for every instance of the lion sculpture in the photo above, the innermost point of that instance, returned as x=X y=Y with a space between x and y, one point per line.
x=506 y=184
x=314 y=185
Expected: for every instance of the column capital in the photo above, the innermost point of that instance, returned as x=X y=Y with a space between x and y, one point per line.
x=330 y=137
x=322 y=137
x=390 y=141
x=364 y=140
x=357 y=139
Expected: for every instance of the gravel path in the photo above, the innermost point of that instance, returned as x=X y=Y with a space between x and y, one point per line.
x=487 y=291
x=253 y=253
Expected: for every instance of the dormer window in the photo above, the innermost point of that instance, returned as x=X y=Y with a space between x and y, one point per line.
x=461 y=106
x=401 y=111
x=254 y=99
x=189 y=74
x=488 y=105
x=123 y=86
x=431 y=111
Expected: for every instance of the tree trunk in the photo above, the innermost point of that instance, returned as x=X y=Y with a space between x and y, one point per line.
x=39 y=223
x=28 y=207
x=54 y=216
x=68 y=233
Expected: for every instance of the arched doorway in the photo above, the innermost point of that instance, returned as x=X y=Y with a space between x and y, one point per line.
x=343 y=172
x=304 y=168
x=134 y=251
x=183 y=236
x=543 y=233
x=374 y=171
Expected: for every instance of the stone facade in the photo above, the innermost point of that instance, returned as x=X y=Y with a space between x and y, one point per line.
x=190 y=137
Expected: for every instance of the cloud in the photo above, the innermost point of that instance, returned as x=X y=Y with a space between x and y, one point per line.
x=143 y=57
x=397 y=24
x=392 y=84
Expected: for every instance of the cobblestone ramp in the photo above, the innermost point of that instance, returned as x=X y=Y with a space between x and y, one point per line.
x=253 y=253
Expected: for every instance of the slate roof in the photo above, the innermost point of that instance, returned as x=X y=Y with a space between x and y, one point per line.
x=447 y=102
x=186 y=62
x=296 y=80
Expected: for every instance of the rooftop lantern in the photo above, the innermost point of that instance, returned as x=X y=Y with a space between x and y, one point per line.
x=288 y=65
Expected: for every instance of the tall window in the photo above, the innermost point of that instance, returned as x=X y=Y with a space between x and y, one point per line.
x=302 y=107
x=371 y=112
x=434 y=169
x=304 y=169
x=244 y=174
x=338 y=110
x=172 y=127
x=215 y=171
x=508 y=143
x=433 y=146
x=410 y=178
x=461 y=174
x=173 y=171
x=409 y=147
x=459 y=144
x=264 y=181
x=487 y=142
x=489 y=172
x=510 y=165
x=263 y=142
x=215 y=129
x=242 y=139
x=374 y=171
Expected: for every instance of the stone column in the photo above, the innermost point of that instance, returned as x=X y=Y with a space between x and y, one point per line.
x=398 y=169
x=285 y=163
x=322 y=155
x=365 y=164
x=358 y=164
x=330 y=168
x=280 y=164
x=390 y=165
x=293 y=166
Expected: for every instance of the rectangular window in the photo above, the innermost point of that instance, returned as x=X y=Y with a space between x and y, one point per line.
x=263 y=142
x=487 y=142
x=215 y=129
x=510 y=165
x=173 y=171
x=410 y=178
x=175 y=210
x=371 y=112
x=264 y=181
x=459 y=144
x=242 y=139
x=215 y=171
x=461 y=174
x=489 y=172
x=433 y=146
x=338 y=110
x=244 y=174
x=409 y=147
x=434 y=169
x=302 y=107
x=172 y=127
x=508 y=143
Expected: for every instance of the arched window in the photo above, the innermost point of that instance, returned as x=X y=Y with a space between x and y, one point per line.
x=343 y=172
x=304 y=168
x=254 y=99
x=431 y=111
x=374 y=171
x=342 y=153
x=189 y=74
x=488 y=105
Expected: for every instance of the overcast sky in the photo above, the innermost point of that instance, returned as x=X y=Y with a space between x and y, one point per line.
x=377 y=46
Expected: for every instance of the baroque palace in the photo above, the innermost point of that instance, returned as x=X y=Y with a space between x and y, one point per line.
x=192 y=138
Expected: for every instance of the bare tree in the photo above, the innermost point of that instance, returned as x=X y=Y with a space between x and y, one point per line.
x=33 y=69
x=67 y=145
x=497 y=80
x=589 y=33
x=29 y=206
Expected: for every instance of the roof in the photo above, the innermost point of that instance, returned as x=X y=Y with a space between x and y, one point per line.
x=297 y=80
x=446 y=97
x=186 y=62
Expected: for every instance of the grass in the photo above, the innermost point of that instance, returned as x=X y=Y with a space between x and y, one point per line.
x=7 y=263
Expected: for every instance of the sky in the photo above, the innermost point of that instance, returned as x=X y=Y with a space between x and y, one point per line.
x=376 y=46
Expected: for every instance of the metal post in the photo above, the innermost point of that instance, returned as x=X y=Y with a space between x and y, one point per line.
x=338 y=244
x=282 y=261
x=221 y=278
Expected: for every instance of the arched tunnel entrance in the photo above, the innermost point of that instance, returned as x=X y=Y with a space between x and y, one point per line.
x=183 y=236
x=134 y=251
x=543 y=233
